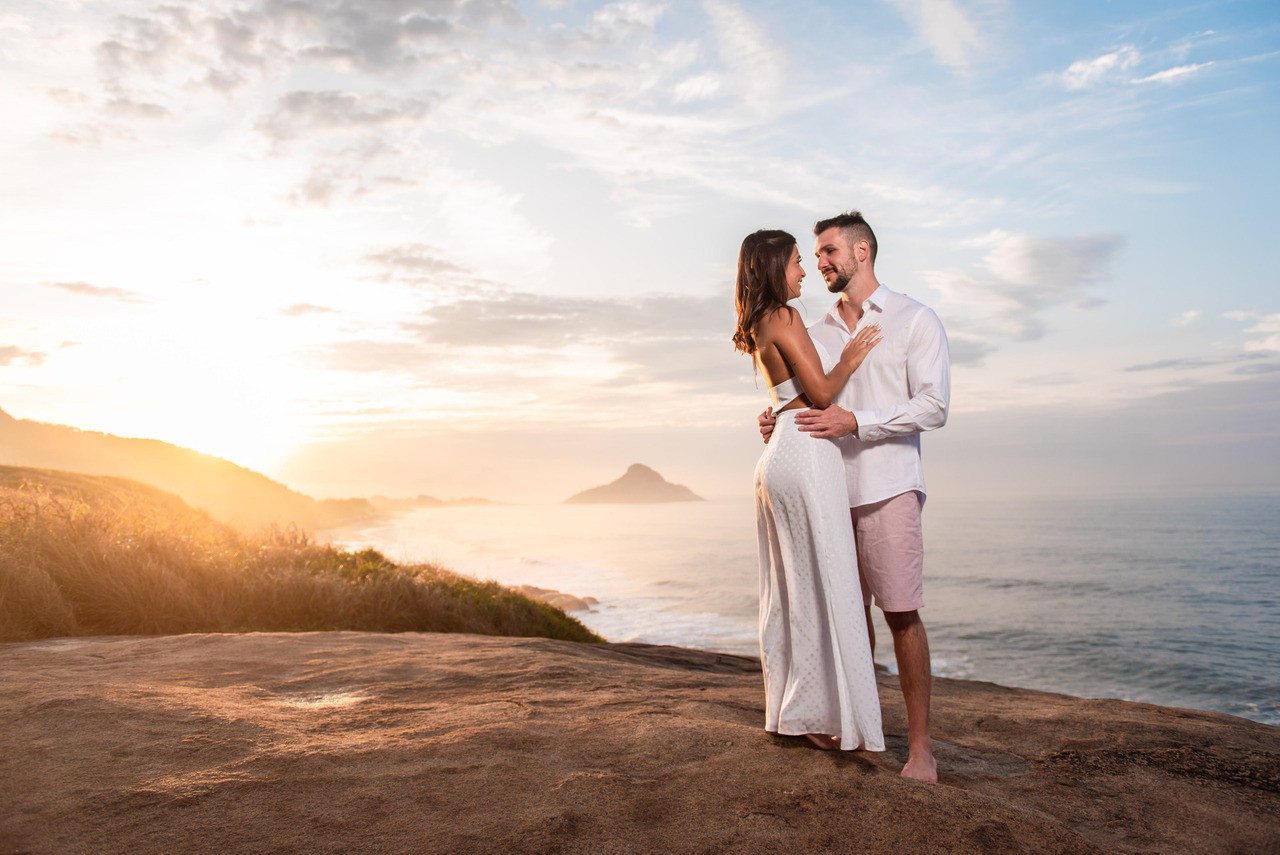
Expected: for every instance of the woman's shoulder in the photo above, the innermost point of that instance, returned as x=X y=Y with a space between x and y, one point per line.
x=778 y=320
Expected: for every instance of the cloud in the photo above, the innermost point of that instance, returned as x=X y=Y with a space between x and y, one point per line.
x=1268 y=326
x=518 y=320
x=1187 y=318
x=130 y=109
x=756 y=65
x=1256 y=368
x=557 y=349
x=10 y=355
x=223 y=49
x=945 y=27
x=698 y=88
x=366 y=40
x=1174 y=75
x=354 y=144
x=619 y=22
x=1060 y=378
x=148 y=44
x=1253 y=363
x=15 y=22
x=85 y=135
x=1179 y=363
x=1087 y=73
x=1027 y=278
x=416 y=262
x=97 y=291
x=531 y=320
x=299 y=309
x=968 y=350
x=1056 y=268
x=1266 y=323
x=1151 y=443
x=299 y=113
x=1111 y=68
x=606 y=95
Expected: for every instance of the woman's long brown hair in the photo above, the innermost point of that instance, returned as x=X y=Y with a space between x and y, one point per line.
x=762 y=282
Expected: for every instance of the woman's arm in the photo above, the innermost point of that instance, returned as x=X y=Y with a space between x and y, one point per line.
x=783 y=329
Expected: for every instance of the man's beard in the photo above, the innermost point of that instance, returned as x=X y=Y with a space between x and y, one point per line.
x=843 y=278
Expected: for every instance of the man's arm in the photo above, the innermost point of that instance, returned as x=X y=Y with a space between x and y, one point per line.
x=766 y=421
x=928 y=384
x=834 y=421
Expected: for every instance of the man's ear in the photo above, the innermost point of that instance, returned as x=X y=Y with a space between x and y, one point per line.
x=862 y=250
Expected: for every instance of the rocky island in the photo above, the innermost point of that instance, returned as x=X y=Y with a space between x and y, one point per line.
x=640 y=485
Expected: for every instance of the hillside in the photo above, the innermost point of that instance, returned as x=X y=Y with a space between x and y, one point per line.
x=640 y=485
x=228 y=492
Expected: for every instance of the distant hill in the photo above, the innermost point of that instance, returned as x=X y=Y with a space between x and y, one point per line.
x=640 y=485
x=228 y=492
x=383 y=503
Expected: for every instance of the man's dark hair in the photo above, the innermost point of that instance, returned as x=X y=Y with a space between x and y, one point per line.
x=854 y=226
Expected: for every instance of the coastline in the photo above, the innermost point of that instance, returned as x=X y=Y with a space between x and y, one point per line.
x=422 y=742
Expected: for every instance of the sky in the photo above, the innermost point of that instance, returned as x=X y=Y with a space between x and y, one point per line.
x=487 y=247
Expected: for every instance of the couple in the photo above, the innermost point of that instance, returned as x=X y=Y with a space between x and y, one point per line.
x=839 y=487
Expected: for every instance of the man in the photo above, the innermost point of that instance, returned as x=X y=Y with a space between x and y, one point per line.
x=902 y=389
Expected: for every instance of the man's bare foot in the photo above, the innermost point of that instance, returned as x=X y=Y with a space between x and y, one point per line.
x=921 y=766
x=823 y=741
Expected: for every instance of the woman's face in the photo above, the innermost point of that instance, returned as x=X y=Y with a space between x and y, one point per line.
x=795 y=273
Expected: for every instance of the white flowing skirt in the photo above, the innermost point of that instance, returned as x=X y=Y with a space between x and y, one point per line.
x=818 y=673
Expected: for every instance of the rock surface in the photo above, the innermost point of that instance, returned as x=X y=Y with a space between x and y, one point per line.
x=559 y=599
x=638 y=485
x=363 y=742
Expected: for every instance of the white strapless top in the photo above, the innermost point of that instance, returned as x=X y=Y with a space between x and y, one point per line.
x=784 y=393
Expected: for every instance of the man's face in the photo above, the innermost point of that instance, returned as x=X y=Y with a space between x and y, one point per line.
x=836 y=261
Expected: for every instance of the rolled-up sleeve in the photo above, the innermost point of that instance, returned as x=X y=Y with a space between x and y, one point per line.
x=928 y=367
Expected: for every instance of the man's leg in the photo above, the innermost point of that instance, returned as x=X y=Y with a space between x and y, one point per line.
x=911 y=647
x=890 y=548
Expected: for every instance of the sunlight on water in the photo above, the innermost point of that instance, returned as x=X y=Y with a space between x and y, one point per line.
x=1163 y=600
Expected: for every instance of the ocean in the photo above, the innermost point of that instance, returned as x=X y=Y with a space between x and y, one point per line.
x=1161 y=599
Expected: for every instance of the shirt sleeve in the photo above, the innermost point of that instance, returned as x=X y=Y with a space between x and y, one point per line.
x=928 y=385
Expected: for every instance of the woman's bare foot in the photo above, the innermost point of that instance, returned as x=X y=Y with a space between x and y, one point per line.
x=823 y=741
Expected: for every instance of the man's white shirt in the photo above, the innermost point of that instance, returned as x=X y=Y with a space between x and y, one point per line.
x=902 y=388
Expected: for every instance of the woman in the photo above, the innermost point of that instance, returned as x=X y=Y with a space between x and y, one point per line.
x=818 y=673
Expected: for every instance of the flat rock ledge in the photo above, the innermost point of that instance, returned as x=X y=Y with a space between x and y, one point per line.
x=430 y=743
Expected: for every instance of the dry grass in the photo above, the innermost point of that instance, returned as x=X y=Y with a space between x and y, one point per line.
x=104 y=556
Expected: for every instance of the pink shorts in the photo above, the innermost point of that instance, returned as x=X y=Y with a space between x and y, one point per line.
x=891 y=552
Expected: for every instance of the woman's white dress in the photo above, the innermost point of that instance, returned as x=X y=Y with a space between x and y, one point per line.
x=818 y=673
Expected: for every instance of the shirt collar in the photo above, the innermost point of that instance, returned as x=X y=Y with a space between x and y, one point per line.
x=877 y=301
x=833 y=316
x=879 y=297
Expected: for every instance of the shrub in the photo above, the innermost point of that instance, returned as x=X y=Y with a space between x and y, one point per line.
x=97 y=556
